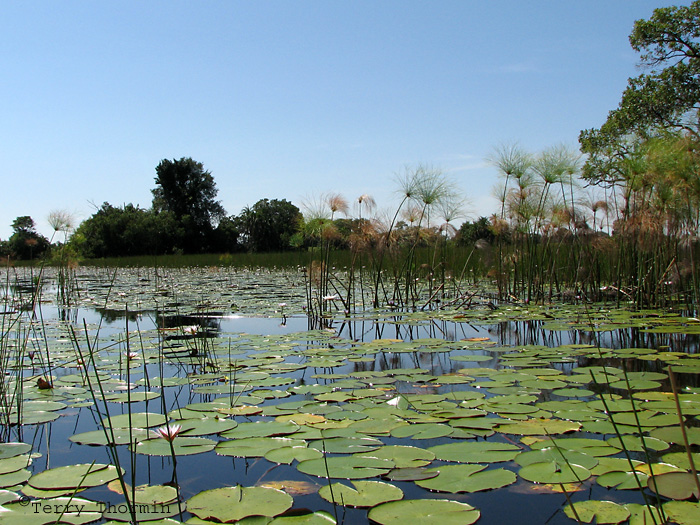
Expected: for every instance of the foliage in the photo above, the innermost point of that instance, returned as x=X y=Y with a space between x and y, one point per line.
x=470 y=232
x=128 y=230
x=189 y=192
x=268 y=225
x=664 y=99
x=25 y=242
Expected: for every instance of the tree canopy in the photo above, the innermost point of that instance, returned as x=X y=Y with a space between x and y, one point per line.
x=269 y=225
x=25 y=242
x=664 y=99
x=185 y=189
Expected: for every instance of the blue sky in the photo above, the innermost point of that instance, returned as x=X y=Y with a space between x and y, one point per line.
x=289 y=100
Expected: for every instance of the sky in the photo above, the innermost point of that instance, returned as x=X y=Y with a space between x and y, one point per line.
x=292 y=100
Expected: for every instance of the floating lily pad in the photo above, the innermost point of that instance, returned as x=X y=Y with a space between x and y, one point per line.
x=403 y=456
x=8 y=450
x=231 y=504
x=320 y=517
x=475 y=452
x=255 y=447
x=424 y=511
x=536 y=427
x=603 y=512
x=467 y=478
x=422 y=431
x=346 y=467
x=136 y=419
x=554 y=472
x=115 y=436
x=289 y=454
x=674 y=485
x=346 y=445
x=365 y=493
x=73 y=510
x=180 y=446
x=74 y=476
x=682 y=512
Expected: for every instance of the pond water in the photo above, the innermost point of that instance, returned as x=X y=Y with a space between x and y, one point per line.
x=509 y=412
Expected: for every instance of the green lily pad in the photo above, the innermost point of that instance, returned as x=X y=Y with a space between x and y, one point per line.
x=136 y=419
x=205 y=426
x=15 y=463
x=180 y=446
x=674 y=485
x=346 y=445
x=12 y=479
x=467 y=478
x=74 y=476
x=629 y=480
x=422 y=431
x=73 y=510
x=682 y=512
x=115 y=436
x=8 y=450
x=538 y=427
x=231 y=504
x=554 y=472
x=402 y=456
x=475 y=452
x=346 y=467
x=365 y=493
x=320 y=517
x=255 y=447
x=424 y=511
x=560 y=455
x=410 y=474
x=675 y=435
x=262 y=429
x=287 y=455
x=604 y=512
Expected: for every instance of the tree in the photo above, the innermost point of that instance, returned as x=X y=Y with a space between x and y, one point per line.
x=129 y=230
x=269 y=225
x=25 y=242
x=470 y=232
x=185 y=189
x=665 y=99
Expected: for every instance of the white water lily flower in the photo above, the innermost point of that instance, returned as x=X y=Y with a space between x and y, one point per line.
x=168 y=433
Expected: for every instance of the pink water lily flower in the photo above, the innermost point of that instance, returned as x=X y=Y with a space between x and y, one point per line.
x=168 y=432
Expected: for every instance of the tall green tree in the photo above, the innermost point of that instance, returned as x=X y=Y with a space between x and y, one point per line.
x=666 y=98
x=25 y=242
x=186 y=189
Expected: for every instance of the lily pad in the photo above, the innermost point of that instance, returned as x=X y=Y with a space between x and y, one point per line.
x=467 y=478
x=475 y=452
x=365 y=493
x=674 y=485
x=74 y=476
x=603 y=512
x=180 y=446
x=346 y=467
x=231 y=504
x=424 y=511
